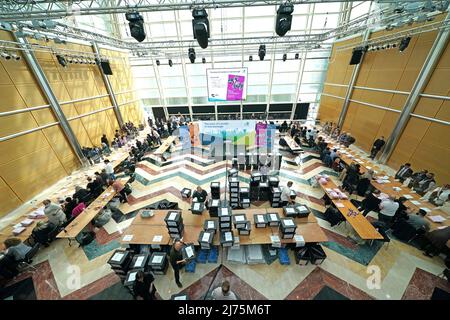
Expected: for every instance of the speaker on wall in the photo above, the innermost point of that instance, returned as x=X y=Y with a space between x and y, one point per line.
x=106 y=67
x=357 y=55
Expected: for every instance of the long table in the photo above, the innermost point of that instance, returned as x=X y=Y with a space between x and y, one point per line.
x=392 y=187
x=295 y=148
x=359 y=223
x=144 y=230
x=165 y=145
x=74 y=228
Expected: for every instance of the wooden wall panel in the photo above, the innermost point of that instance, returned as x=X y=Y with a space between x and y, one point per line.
x=18 y=147
x=428 y=107
x=8 y=199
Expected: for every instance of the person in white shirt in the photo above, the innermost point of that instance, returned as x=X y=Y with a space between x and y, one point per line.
x=223 y=292
x=440 y=195
x=286 y=194
x=388 y=208
x=109 y=169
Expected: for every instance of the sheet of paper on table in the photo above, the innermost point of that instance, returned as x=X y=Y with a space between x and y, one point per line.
x=239 y=218
x=417 y=203
x=339 y=205
x=157 y=238
x=157 y=259
x=117 y=256
x=128 y=237
x=408 y=196
x=274 y=238
x=437 y=218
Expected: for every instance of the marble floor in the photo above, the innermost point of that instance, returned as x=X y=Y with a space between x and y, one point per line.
x=350 y=271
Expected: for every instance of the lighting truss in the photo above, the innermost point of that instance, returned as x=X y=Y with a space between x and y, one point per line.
x=21 y=10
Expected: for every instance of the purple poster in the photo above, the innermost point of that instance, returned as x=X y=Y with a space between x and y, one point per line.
x=235 y=87
x=261 y=134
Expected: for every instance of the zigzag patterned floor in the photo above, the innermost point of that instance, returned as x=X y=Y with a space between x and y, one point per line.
x=404 y=272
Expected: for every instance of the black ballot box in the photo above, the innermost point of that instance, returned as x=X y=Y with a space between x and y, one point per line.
x=224 y=214
x=227 y=238
x=303 y=256
x=273 y=181
x=260 y=220
x=158 y=262
x=139 y=261
x=173 y=218
x=234 y=163
x=244 y=193
x=273 y=219
x=197 y=207
x=245 y=203
x=287 y=228
x=245 y=229
x=214 y=205
x=318 y=255
x=254 y=191
x=302 y=211
x=239 y=220
x=120 y=262
x=233 y=182
x=233 y=172
x=256 y=176
x=215 y=190
x=290 y=211
x=130 y=279
x=211 y=225
x=186 y=193
x=188 y=252
x=293 y=195
x=275 y=196
x=263 y=194
x=205 y=239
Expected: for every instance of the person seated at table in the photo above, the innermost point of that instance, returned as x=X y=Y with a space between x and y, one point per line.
x=143 y=287
x=223 y=292
x=16 y=249
x=334 y=154
x=388 y=208
x=404 y=172
x=416 y=177
x=284 y=126
x=349 y=140
x=41 y=232
x=337 y=165
x=336 y=133
x=286 y=195
x=119 y=188
x=352 y=178
x=436 y=241
x=78 y=209
x=54 y=213
x=371 y=202
x=200 y=195
x=403 y=211
x=324 y=152
x=364 y=182
x=102 y=218
x=122 y=140
x=342 y=137
x=426 y=184
x=440 y=195
x=81 y=195
x=94 y=187
x=68 y=206
x=109 y=169
x=418 y=221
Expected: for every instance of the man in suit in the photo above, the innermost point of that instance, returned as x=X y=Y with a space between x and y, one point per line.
x=404 y=172
x=377 y=145
x=426 y=184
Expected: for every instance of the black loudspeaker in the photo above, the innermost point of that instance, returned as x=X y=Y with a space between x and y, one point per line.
x=356 y=56
x=106 y=68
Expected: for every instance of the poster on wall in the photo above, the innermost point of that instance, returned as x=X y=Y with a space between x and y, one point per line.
x=227 y=84
x=241 y=132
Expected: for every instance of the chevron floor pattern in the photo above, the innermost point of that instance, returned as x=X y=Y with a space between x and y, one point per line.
x=69 y=272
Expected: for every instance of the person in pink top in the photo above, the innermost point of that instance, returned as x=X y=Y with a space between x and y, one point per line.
x=78 y=209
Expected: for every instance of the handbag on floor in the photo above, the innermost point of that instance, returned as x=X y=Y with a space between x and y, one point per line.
x=85 y=238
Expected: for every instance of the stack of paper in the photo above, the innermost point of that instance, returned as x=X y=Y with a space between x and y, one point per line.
x=237 y=255
x=276 y=242
x=26 y=222
x=254 y=254
x=408 y=196
x=299 y=240
x=437 y=218
x=17 y=231
x=417 y=203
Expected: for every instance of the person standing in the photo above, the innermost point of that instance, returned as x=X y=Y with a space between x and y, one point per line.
x=286 y=195
x=143 y=287
x=388 y=208
x=404 y=172
x=176 y=260
x=223 y=292
x=200 y=195
x=109 y=169
x=377 y=145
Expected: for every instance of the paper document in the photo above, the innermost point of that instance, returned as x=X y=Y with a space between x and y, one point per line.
x=328 y=190
x=274 y=239
x=173 y=215
x=139 y=261
x=196 y=206
x=437 y=218
x=205 y=237
x=132 y=276
x=442 y=227
x=417 y=203
x=117 y=256
x=224 y=211
x=210 y=224
x=180 y=298
x=128 y=237
x=239 y=218
x=260 y=219
x=288 y=223
x=228 y=236
x=157 y=238
x=189 y=252
x=407 y=196
x=273 y=217
x=290 y=210
x=340 y=205
x=157 y=259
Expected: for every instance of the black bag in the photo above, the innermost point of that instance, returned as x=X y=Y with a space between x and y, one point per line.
x=86 y=238
x=127 y=189
x=333 y=216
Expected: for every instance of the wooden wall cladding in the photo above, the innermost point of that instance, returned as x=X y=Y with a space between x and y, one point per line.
x=330 y=108
x=8 y=198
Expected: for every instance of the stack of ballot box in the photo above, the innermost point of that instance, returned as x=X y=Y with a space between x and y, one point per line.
x=245 y=229
x=234 y=163
x=293 y=195
x=225 y=218
x=197 y=207
x=234 y=192
x=287 y=228
x=226 y=238
x=233 y=172
x=239 y=220
x=244 y=197
x=256 y=177
x=188 y=252
x=130 y=278
x=120 y=262
x=275 y=196
x=174 y=222
x=303 y=256
x=210 y=225
x=215 y=190
x=302 y=211
x=260 y=220
x=273 y=219
x=264 y=191
x=186 y=193
x=273 y=181
x=158 y=263
x=214 y=206
x=139 y=261
x=205 y=239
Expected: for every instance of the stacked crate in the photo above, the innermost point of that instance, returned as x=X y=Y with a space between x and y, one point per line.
x=241 y=224
x=274 y=181
x=254 y=185
x=174 y=222
x=120 y=262
x=234 y=191
x=244 y=197
x=275 y=196
x=264 y=191
x=287 y=228
x=158 y=263
x=215 y=190
x=225 y=219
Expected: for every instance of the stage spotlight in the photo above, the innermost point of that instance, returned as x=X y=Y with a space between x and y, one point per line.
x=69 y=59
x=262 y=52
x=15 y=57
x=284 y=57
x=5 y=55
x=394 y=45
x=200 y=27
x=297 y=56
x=136 y=23
x=284 y=19
x=203 y=60
x=158 y=63
x=388 y=46
x=250 y=58
x=62 y=61
x=404 y=44
x=191 y=54
x=378 y=48
x=170 y=63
